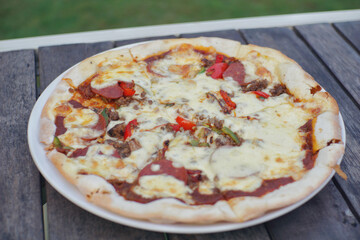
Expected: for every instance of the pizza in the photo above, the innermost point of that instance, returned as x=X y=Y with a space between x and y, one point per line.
x=198 y=130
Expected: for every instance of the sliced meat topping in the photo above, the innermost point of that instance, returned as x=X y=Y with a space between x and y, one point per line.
x=235 y=71
x=256 y=85
x=76 y=104
x=111 y=92
x=164 y=167
x=60 y=127
x=101 y=124
x=79 y=152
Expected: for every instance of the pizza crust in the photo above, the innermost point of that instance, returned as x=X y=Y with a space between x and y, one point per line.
x=101 y=193
x=227 y=47
x=298 y=82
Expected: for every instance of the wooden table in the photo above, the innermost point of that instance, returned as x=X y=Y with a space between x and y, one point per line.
x=329 y=52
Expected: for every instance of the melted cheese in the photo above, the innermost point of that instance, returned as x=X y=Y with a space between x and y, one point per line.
x=80 y=118
x=272 y=146
x=196 y=158
x=127 y=72
x=155 y=186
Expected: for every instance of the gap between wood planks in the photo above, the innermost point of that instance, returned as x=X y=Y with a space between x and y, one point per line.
x=298 y=34
x=345 y=38
x=336 y=183
x=42 y=180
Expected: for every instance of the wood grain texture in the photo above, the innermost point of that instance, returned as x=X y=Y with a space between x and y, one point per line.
x=68 y=221
x=65 y=220
x=54 y=60
x=131 y=41
x=229 y=34
x=286 y=41
x=20 y=191
x=351 y=31
x=323 y=217
x=252 y=233
x=342 y=60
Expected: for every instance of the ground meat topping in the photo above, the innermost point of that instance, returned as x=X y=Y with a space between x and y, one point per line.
x=222 y=141
x=113 y=115
x=117 y=131
x=123 y=149
x=278 y=90
x=256 y=85
x=123 y=101
x=134 y=145
x=85 y=91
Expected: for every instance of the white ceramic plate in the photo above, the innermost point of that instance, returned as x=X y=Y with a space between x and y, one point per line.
x=55 y=179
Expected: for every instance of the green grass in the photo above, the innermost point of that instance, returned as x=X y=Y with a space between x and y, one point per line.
x=26 y=18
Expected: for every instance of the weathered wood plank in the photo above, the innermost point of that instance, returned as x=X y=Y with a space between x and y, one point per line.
x=56 y=59
x=252 y=233
x=130 y=41
x=351 y=31
x=258 y=232
x=68 y=221
x=342 y=60
x=20 y=191
x=65 y=220
x=286 y=41
x=229 y=34
x=323 y=217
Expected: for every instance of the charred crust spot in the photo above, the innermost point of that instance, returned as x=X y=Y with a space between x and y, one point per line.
x=333 y=141
x=83 y=172
x=315 y=89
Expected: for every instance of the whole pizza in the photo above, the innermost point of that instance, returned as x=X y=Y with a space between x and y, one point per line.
x=196 y=130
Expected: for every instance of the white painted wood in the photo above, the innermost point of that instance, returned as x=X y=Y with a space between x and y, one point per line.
x=161 y=30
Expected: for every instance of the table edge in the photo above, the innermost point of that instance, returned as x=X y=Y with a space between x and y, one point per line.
x=178 y=28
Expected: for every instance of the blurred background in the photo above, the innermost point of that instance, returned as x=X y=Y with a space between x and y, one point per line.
x=27 y=18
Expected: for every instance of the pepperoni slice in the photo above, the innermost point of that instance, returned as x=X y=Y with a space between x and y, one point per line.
x=164 y=167
x=79 y=152
x=76 y=104
x=236 y=71
x=101 y=124
x=60 y=127
x=111 y=92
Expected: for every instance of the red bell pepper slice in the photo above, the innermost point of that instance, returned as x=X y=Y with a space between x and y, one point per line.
x=128 y=92
x=128 y=128
x=128 y=88
x=261 y=94
x=219 y=58
x=216 y=71
x=185 y=124
x=176 y=127
x=227 y=99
